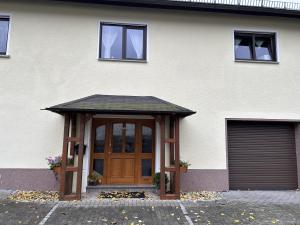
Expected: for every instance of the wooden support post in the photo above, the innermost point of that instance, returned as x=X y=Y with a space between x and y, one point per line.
x=172 y=158
x=162 y=158
x=73 y=133
x=80 y=156
x=177 y=159
x=64 y=156
x=68 y=170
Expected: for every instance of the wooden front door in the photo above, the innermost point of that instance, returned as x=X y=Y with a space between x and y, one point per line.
x=123 y=150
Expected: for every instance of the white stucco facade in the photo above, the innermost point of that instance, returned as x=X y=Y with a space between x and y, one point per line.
x=53 y=49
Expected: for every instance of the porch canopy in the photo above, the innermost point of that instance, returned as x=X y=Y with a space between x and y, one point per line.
x=119 y=105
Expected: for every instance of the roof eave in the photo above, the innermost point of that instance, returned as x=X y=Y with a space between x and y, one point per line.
x=223 y=8
x=118 y=112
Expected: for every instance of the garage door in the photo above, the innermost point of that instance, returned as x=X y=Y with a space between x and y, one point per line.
x=261 y=155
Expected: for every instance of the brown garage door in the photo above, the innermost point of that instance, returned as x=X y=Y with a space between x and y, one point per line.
x=261 y=155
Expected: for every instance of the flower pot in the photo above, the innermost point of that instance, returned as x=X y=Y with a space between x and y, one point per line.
x=93 y=183
x=57 y=170
x=183 y=169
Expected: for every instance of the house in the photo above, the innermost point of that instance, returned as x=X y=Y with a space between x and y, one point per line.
x=128 y=88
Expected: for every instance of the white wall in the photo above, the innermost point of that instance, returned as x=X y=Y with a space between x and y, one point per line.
x=53 y=59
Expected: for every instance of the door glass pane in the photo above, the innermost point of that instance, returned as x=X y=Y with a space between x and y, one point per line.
x=117 y=137
x=242 y=46
x=100 y=139
x=98 y=166
x=263 y=49
x=147 y=139
x=146 y=167
x=130 y=137
x=135 y=44
x=4 y=23
x=111 y=43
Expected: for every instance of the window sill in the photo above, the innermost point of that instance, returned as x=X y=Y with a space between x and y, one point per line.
x=4 y=56
x=123 y=60
x=256 y=61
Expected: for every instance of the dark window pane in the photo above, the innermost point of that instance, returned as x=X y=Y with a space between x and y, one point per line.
x=4 y=24
x=111 y=43
x=146 y=167
x=98 y=166
x=117 y=137
x=130 y=138
x=147 y=139
x=100 y=139
x=135 y=44
x=243 y=46
x=263 y=48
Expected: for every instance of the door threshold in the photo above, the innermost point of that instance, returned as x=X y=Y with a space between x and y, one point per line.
x=122 y=187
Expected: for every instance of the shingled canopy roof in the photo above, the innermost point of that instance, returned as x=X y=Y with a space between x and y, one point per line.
x=118 y=104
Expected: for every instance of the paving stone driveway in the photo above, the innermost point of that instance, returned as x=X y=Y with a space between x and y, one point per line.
x=265 y=208
x=170 y=215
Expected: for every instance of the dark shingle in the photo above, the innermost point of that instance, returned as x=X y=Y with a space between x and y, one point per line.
x=117 y=104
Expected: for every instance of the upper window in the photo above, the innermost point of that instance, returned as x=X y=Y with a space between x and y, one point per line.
x=122 y=42
x=4 y=27
x=255 y=46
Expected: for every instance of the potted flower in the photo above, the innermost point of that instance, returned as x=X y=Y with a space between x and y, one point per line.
x=54 y=163
x=184 y=166
x=156 y=180
x=95 y=178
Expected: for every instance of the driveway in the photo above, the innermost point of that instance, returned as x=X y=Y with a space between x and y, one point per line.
x=248 y=207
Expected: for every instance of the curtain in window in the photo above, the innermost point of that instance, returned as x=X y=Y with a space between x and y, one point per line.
x=3 y=35
x=263 y=49
x=109 y=36
x=136 y=37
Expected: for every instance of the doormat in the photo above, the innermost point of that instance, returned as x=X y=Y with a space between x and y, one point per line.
x=123 y=194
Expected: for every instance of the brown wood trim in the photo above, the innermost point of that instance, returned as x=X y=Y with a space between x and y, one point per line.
x=80 y=155
x=177 y=159
x=170 y=169
x=162 y=158
x=73 y=133
x=170 y=140
x=72 y=139
x=169 y=197
x=64 y=156
x=71 y=169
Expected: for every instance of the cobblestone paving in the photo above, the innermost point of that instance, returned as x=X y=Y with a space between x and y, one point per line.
x=237 y=212
x=263 y=196
x=21 y=213
x=157 y=215
x=251 y=207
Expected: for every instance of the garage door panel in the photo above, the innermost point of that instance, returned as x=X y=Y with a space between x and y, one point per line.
x=261 y=155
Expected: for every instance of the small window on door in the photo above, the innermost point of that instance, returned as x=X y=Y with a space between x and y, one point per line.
x=100 y=139
x=122 y=42
x=146 y=167
x=4 y=29
x=249 y=46
x=147 y=139
x=123 y=138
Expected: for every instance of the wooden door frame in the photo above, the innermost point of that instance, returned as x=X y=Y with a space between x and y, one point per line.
x=138 y=179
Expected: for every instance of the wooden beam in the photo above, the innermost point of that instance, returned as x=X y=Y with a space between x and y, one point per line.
x=162 y=158
x=177 y=159
x=73 y=134
x=72 y=139
x=64 y=156
x=80 y=155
